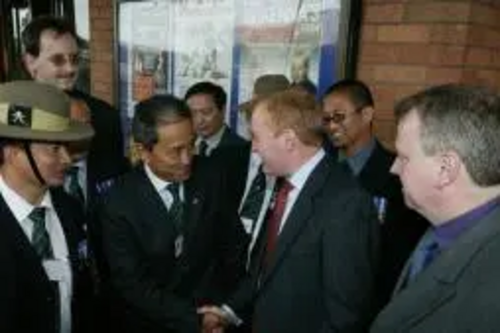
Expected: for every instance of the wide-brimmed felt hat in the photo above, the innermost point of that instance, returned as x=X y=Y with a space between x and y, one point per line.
x=36 y=111
x=265 y=86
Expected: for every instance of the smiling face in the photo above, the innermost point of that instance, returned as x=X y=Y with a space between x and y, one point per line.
x=344 y=123
x=57 y=62
x=268 y=143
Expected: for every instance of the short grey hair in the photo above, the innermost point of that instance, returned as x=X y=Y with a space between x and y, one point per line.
x=462 y=118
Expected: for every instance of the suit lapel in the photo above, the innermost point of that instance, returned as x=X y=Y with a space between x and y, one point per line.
x=156 y=209
x=27 y=254
x=69 y=224
x=437 y=284
x=298 y=217
x=193 y=202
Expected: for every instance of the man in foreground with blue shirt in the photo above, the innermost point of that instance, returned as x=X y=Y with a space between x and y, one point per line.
x=448 y=162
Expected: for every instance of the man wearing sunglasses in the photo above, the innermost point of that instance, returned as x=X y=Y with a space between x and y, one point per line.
x=51 y=55
x=348 y=114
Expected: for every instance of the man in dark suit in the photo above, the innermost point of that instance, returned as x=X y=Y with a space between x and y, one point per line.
x=215 y=140
x=258 y=187
x=447 y=144
x=207 y=102
x=52 y=56
x=314 y=267
x=43 y=273
x=348 y=113
x=164 y=225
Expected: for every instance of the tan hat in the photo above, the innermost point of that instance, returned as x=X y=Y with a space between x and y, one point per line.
x=265 y=86
x=38 y=112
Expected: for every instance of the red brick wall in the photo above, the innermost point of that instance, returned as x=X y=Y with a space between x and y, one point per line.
x=405 y=45
x=101 y=49
x=408 y=45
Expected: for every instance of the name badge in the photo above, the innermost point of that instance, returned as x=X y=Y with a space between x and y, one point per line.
x=179 y=246
x=57 y=270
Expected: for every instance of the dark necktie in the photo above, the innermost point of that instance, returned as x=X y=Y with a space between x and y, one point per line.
x=74 y=188
x=255 y=197
x=203 y=148
x=40 y=240
x=40 y=237
x=275 y=217
x=175 y=211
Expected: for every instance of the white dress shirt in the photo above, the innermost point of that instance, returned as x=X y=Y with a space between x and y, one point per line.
x=58 y=269
x=298 y=180
x=161 y=187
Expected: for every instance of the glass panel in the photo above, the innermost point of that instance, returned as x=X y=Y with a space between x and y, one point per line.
x=166 y=46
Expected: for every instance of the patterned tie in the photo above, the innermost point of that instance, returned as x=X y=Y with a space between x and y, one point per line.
x=203 y=148
x=176 y=209
x=275 y=217
x=74 y=188
x=40 y=237
x=255 y=197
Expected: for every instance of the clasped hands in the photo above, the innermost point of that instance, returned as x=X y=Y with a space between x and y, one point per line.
x=214 y=319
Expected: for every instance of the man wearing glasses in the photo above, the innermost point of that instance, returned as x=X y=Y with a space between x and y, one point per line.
x=348 y=114
x=51 y=55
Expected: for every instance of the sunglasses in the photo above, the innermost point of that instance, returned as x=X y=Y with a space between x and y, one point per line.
x=60 y=60
x=336 y=118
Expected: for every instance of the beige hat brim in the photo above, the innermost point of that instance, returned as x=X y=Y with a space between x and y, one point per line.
x=76 y=131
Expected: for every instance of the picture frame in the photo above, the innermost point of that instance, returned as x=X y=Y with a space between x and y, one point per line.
x=166 y=46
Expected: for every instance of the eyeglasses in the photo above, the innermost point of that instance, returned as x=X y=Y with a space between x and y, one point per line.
x=60 y=60
x=339 y=116
x=336 y=118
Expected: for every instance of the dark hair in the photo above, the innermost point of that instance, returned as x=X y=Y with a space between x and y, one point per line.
x=153 y=112
x=358 y=93
x=218 y=94
x=33 y=31
x=4 y=142
x=460 y=118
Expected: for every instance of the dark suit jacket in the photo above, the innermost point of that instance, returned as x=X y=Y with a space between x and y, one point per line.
x=458 y=292
x=151 y=289
x=401 y=227
x=232 y=157
x=321 y=276
x=106 y=158
x=27 y=301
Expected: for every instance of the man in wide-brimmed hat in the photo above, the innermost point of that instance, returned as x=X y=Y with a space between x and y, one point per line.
x=41 y=248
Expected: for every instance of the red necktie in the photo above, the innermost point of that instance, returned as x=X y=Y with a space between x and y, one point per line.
x=275 y=217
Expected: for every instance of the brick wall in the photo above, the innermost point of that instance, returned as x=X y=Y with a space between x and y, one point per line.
x=405 y=45
x=101 y=49
x=408 y=45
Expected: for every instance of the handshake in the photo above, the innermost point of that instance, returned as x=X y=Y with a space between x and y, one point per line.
x=216 y=319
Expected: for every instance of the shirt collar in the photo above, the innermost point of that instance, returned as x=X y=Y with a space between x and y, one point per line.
x=451 y=230
x=158 y=183
x=358 y=160
x=299 y=177
x=19 y=206
x=214 y=140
